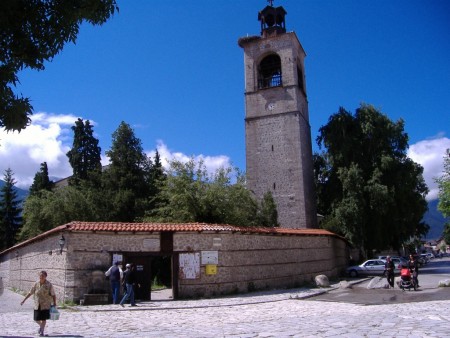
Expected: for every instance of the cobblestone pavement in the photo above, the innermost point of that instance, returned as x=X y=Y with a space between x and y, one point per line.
x=265 y=314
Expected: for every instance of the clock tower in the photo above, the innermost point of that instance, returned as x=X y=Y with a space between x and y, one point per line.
x=277 y=130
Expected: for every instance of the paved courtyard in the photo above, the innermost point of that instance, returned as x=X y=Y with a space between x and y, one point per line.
x=266 y=314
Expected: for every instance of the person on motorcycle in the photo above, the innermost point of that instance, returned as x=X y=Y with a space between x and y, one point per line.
x=414 y=268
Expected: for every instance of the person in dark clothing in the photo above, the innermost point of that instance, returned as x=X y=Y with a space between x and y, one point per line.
x=130 y=282
x=414 y=268
x=115 y=275
x=389 y=268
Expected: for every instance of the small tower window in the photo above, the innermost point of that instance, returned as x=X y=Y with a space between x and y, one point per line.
x=270 y=72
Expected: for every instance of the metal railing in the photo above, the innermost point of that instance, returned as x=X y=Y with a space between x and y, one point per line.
x=268 y=82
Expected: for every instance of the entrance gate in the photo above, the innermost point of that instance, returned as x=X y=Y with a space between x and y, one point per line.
x=151 y=268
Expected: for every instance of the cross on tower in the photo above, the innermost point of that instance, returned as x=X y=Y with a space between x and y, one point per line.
x=270 y=2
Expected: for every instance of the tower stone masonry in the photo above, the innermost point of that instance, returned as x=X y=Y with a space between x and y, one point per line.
x=277 y=130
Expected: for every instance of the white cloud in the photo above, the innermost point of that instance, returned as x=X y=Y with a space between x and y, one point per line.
x=430 y=155
x=45 y=140
x=212 y=163
x=48 y=138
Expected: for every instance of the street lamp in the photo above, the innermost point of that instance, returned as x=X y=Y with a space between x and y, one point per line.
x=61 y=242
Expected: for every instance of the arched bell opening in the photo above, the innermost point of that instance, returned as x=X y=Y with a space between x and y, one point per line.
x=269 y=72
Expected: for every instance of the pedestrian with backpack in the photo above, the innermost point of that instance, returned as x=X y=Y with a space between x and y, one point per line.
x=115 y=275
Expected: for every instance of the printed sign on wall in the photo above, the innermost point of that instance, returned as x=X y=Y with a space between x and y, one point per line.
x=210 y=257
x=117 y=258
x=189 y=266
x=151 y=244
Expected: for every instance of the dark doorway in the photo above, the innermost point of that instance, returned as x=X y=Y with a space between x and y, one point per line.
x=143 y=276
x=162 y=278
x=153 y=273
x=154 y=269
x=161 y=272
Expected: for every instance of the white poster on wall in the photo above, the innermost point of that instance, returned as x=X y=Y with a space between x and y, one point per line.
x=117 y=258
x=210 y=257
x=189 y=266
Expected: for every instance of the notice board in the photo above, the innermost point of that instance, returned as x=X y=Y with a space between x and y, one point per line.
x=189 y=266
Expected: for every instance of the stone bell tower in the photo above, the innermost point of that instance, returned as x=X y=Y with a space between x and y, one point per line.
x=277 y=130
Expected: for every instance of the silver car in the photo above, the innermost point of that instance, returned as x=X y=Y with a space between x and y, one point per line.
x=399 y=262
x=370 y=267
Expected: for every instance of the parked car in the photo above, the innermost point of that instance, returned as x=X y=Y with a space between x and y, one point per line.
x=424 y=257
x=430 y=255
x=368 y=268
x=399 y=262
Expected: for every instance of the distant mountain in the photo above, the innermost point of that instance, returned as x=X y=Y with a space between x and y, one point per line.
x=21 y=193
x=435 y=220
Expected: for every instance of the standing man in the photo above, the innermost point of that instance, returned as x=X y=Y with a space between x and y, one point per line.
x=389 y=268
x=115 y=275
x=130 y=282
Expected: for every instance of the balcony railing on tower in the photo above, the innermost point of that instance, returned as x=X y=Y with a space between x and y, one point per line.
x=274 y=80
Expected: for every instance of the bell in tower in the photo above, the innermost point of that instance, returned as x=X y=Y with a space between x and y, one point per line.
x=277 y=131
x=272 y=20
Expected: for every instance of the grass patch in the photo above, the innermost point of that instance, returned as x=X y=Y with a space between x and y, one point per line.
x=157 y=285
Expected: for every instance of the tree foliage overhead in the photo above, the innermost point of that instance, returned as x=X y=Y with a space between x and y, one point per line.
x=85 y=155
x=367 y=188
x=444 y=194
x=33 y=32
x=10 y=210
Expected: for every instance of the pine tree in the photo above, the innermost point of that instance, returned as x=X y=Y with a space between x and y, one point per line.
x=85 y=155
x=156 y=181
x=41 y=181
x=127 y=178
x=10 y=210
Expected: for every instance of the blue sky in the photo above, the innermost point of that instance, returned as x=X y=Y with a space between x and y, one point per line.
x=174 y=72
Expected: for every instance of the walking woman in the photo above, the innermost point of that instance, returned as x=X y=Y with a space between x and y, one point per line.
x=43 y=294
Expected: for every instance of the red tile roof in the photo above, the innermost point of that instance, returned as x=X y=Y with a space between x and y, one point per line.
x=184 y=227
x=77 y=226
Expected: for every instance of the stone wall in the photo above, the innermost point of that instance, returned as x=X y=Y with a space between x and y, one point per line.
x=246 y=261
x=249 y=262
x=20 y=268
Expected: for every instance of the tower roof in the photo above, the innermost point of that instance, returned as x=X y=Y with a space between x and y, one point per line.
x=272 y=20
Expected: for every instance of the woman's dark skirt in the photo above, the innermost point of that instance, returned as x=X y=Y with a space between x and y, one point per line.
x=41 y=314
